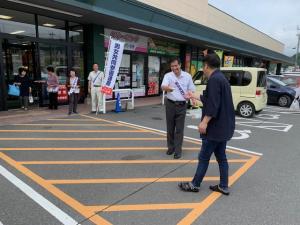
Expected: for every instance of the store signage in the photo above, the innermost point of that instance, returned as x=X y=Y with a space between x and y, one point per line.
x=132 y=42
x=228 y=61
x=163 y=47
x=220 y=54
x=112 y=65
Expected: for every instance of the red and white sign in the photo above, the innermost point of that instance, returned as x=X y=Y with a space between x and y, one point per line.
x=133 y=42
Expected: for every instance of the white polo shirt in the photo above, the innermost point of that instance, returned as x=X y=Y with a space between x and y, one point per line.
x=185 y=81
x=96 y=78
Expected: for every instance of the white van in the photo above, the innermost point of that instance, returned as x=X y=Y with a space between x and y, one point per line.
x=248 y=86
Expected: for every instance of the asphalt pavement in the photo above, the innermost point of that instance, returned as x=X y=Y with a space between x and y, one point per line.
x=112 y=169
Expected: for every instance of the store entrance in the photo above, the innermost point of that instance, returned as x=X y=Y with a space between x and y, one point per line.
x=17 y=54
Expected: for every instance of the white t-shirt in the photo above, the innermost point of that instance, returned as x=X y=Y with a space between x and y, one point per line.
x=96 y=78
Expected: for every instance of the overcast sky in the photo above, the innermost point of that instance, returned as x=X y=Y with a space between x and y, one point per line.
x=277 y=18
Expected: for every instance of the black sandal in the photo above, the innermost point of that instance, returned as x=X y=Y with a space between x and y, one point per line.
x=188 y=187
x=216 y=188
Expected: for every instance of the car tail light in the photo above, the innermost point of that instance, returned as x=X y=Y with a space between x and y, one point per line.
x=258 y=92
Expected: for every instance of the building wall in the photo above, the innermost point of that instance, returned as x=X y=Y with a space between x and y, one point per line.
x=223 y=22
x=201 y=12
x=194 y=10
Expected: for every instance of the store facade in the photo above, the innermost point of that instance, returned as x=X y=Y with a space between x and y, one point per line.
x=75 y=34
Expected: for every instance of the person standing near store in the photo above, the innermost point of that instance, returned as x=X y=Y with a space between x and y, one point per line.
x=52 y=87
x=73 y=86
x=216 y=127
x=95 y=79
x=178 y=85
x=24 y=83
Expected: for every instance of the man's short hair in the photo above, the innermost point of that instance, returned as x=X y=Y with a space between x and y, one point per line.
x=50 y=69
x=175 y=59
x=21 y=69
x=212 y=60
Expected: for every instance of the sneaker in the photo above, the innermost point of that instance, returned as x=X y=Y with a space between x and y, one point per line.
x=217 y=188
x=69 y=113
x=188 y=187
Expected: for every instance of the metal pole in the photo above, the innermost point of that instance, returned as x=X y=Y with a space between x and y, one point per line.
x=298 y=34
x=296 y=62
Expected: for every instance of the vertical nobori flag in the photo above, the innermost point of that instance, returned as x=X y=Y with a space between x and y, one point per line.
x=113 y=61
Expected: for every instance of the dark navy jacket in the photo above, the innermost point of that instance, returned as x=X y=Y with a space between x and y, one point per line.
x=217 y=103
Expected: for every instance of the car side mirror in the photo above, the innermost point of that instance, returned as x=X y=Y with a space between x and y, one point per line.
x=273 y=86
x=197 y=82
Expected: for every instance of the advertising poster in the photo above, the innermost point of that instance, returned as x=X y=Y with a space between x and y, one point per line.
x=163 y=47
x=228 y=61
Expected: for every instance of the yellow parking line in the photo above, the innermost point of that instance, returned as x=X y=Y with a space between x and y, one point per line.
x=198 y=210
x=97 y=149
x=142 y=207
x=122 y=162
x=74 y=131
x=68 y=124
x=82 y=139
x=128 y=180
x=84 y=211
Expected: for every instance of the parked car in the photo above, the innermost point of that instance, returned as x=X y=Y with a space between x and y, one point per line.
x=279 y=93
x=248 y=86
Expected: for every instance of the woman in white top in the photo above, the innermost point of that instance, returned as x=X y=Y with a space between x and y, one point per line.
x=73 y=85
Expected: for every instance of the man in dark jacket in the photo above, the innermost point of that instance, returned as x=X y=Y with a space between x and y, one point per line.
x=216 y=127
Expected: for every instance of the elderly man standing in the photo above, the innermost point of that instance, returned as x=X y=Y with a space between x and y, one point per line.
x=178 y=85
x=95 y=79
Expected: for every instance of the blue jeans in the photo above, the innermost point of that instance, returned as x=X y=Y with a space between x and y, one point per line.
x=209 y=147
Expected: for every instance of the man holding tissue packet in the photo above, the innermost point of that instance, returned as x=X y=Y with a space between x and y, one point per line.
x=179 y=87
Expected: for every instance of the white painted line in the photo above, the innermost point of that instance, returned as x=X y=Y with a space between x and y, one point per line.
x=1 y=223
x=193 y=139
x=43 y=202
x=244 y=134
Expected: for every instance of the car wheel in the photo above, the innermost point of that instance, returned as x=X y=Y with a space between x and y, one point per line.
x=246 y=109
x=284 y=101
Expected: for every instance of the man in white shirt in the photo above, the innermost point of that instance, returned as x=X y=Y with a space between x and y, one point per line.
x=95 y=79
x=179 y=86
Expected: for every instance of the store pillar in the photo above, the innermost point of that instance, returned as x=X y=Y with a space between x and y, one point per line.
x=278 y=68
x=94 y=48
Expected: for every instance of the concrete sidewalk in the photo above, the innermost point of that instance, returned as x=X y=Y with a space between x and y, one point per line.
x=41 y=113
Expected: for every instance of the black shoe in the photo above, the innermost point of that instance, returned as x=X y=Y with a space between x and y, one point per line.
x=93 y=112
x=170 y=152
x=177 y=156
x=188 y=187
x=217 y=188
x=75 y=112
x=69 y=113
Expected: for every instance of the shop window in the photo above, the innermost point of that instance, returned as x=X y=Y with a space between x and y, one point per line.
x=75 y=33
x=53 y=55
x=17 y=23
x=51 y=28
x=77 y=63
x=153 y=75
x=138 y=62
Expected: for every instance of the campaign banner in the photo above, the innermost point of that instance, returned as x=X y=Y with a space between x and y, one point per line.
x=112 y=65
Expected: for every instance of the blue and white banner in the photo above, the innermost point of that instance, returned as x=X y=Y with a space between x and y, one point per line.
x=113 y=61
